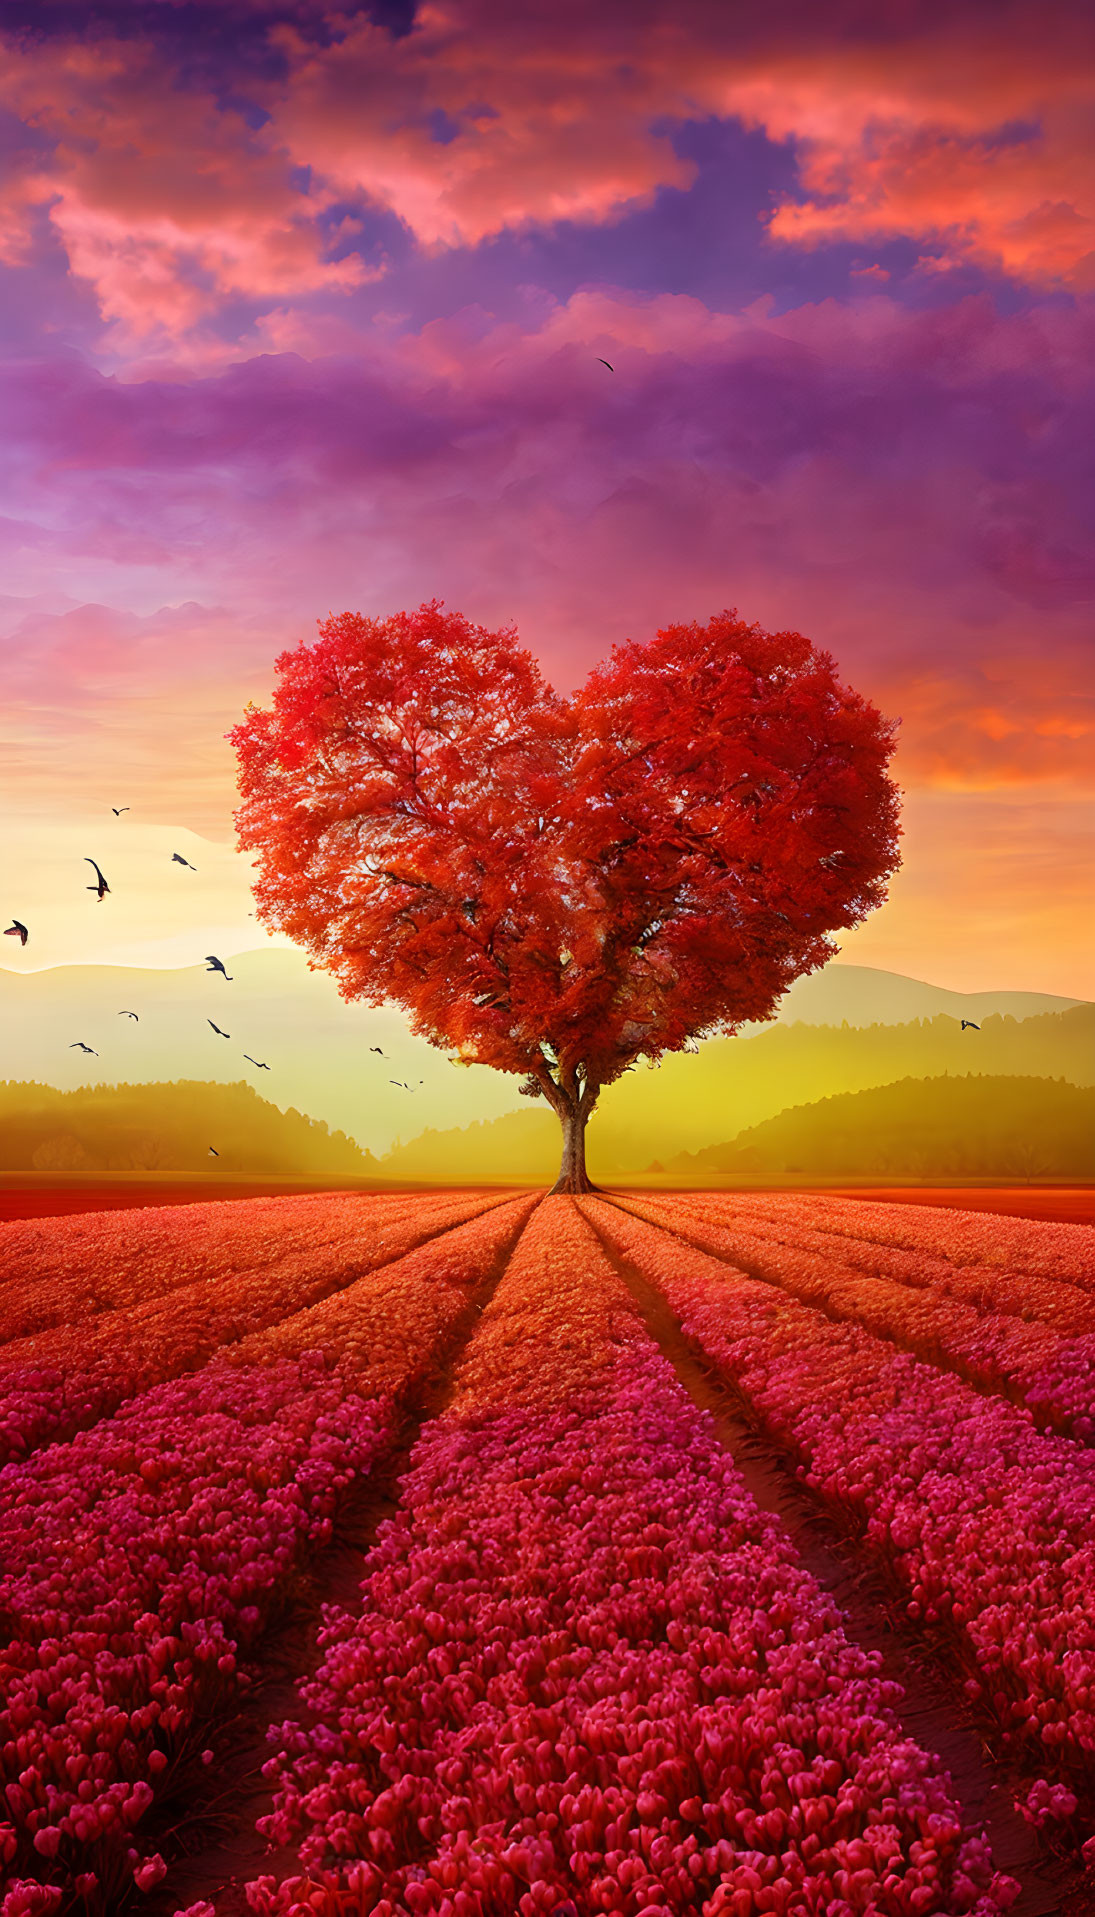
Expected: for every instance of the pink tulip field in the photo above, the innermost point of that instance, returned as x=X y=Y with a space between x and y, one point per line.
x=569 y=1664
x=1051 y=1372
x=55 y=1382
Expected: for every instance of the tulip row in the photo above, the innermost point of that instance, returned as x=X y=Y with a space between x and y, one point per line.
x=985 y=1524
x=588 y=1673
x=385 y=1326
x=58 y=1382
x=143 y=1558
x=1028 y=1363
x=1028 y=1246
x=1049 y=1300
x=61 y=1271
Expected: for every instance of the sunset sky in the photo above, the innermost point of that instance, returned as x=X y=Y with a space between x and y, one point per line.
x=303 y=311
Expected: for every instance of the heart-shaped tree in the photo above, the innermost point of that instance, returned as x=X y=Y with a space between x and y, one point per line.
x=556 y=887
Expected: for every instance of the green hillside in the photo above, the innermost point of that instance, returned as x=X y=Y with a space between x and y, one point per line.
x=692 y=1101
x=167 y=1128
x=520 y=1146
x=703 y=1099
x=969 y=1126
x=350 y=1064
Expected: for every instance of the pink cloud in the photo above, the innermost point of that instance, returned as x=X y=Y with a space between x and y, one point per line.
x=165 y=203
x=489 y=118
x=559 y=115
x=912 y=490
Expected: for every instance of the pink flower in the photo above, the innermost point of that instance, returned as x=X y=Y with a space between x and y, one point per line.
x=150 y=1873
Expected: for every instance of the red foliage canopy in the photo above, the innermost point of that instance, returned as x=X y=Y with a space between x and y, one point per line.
x=555 y=887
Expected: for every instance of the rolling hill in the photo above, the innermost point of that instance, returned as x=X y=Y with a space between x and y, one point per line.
x=924 y=1128
x=694 y=1101
x=841 y=1029
x=104 y=1129
x=731 y=1084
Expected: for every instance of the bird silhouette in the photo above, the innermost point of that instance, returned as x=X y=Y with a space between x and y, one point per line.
x=217 y=1029
x=213 y=1153
x=377 y=1050
x=263 y=1067
x=129 y=1015
x=118 y=810
x=102 y=888
x=79 y=1046
x=16 y=930
x=215 y=965
x=604 y=362
x=177 y=859
x=968 y=1025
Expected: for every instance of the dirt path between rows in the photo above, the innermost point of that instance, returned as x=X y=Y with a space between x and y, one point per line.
x=206 y=1828
x=932 y=1711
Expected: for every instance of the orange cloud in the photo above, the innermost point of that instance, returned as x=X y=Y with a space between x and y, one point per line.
x=986 y=724
x=969 y=136
x=1023 y=208
x=537 y=124
x=166 y=203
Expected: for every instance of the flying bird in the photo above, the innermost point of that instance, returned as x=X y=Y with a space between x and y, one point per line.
x=16 y=930
x=377 y=1050
x=215 y=965
x=217 y=1029
x=79 y=1046
x=213 y=1153
x=604 y=362
x=118 y=810
x=102 y=888
x=968 y=1025
x=129 y=1015
x=263 y=1067
x=403 y=1087
x=177 y=859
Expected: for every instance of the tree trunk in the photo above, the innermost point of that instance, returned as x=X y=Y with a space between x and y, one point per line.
x=573 y=1176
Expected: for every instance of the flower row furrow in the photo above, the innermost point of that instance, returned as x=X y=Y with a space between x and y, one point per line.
x=71 y=1269
x=374 y=1327
x=1027 y=1362
x=985 y=1524
x=1032 y=1247
x=588 y=1674
x=1017 y=1294
x=135 y=1242
x=145 y=1557
x=57 y=1382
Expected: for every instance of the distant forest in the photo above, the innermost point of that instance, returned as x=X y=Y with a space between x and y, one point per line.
x=956 y=1127
x=972 y=1126
x=692 y=1102
x=168 y=1128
